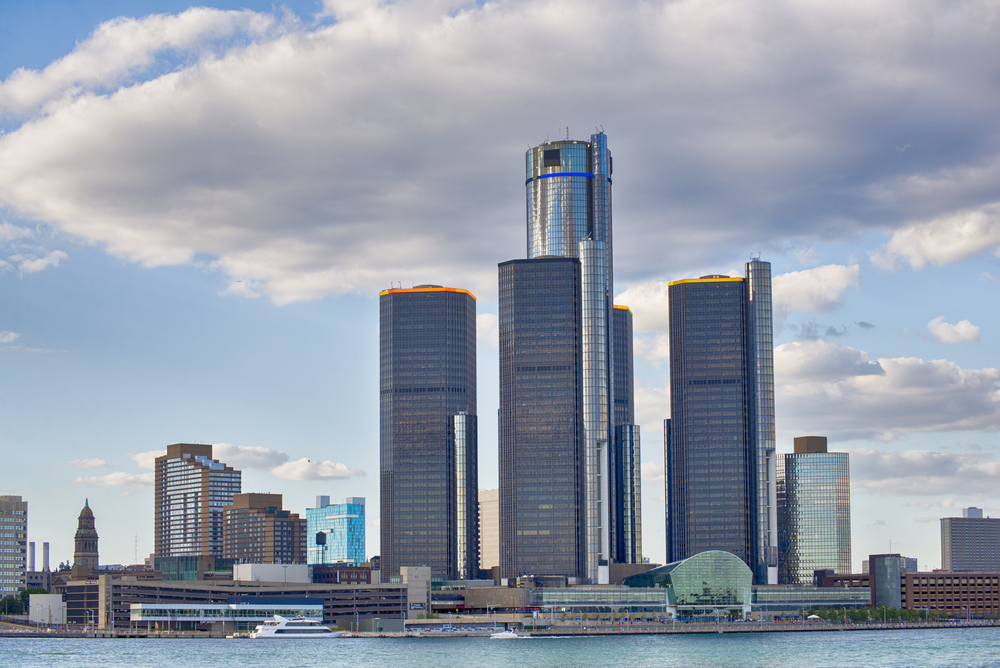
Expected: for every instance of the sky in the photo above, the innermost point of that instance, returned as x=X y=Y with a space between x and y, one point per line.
x=199 y=206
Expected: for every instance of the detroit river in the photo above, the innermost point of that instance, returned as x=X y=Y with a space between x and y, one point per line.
x=925 y=648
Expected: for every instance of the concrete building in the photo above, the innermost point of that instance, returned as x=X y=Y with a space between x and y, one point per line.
x=272 y=572
x=489 y=529
x=336 y=531
x=428 y=432
x=719 y=449
x=258 y=531
x=86 y=557
x=191 y=490
x=970 y=542
x=14 y=536
x=417 y=580
x=814 y=511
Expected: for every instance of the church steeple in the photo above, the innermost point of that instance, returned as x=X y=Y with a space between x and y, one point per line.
x=85 y=553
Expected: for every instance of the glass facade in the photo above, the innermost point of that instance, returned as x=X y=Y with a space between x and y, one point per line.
x=886 y=581
x=343 y=529
x=626 y=512
x=541 y=424
x=191 y=491
x=427 y=377
x=719 y=442
x=814 y=515
x=465 y=438
x=703 y=583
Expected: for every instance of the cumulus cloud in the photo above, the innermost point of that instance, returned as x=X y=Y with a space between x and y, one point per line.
x=652 y=406
x=127 y=481
x=654 y=348
x=248 y=457
x=815 y=290
x=828 y=388
x=8 y=337
x=488 y=330
x=922 y=473
x=961 y=332
x=10 y=232
x=950 y=238
x=650 y=306
x=399 y=156
x=651 y=472
x=30 y=264
x=147 y=460
x=306 y=469
x=88 y=463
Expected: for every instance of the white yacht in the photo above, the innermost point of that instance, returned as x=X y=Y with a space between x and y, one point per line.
x=505 y=635
x=297 y=627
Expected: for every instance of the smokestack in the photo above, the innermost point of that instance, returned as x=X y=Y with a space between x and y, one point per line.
x=31 y=556
x=45 y=557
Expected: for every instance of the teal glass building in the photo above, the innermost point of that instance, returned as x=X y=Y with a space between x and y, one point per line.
x=335 y=532
x=814 y=511
x=706 y=584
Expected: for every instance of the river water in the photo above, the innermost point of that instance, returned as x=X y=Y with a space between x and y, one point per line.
x=925 y=648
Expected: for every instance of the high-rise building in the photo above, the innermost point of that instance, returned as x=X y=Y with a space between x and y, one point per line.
x=191 y=490
x=814 y=511
x=85 y=552
x=542 y=520
x=336 y=531
x=489 y=529
x=720 y=454
x=970 y=542
x=906 y=565
x=257 y=530
x=568 y=190
x=626 y=508
x=428 y=432
x=885 y=581
x=14 y=536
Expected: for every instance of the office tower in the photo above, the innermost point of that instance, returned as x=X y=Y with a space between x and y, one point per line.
x=191 y=490
x=489 y=530
x=336 y=532
x=258 y=531
x=906 y=565
x=814 y=511
x=626 y=498
x=85 y=554
x=428 y=432
x=720 y=451
x=14 y=534
x=971 y=542
x=542 y=503
x=885 y=580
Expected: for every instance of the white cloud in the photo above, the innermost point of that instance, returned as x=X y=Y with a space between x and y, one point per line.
x=306 y=469
x=147 y=460
x=652 y=407
x=961 y=332
x=815 y=290
x=127 y=481
x=248 y=457
x=8 y=337
x=10 y=232
x=654 y=348
x=29 y=264
x=650 y=306
x=170 y=140
x=488 y=330
x=88 y=463
x=651 y=472
x=827 y=388
x=922 y=473
x=949 y=238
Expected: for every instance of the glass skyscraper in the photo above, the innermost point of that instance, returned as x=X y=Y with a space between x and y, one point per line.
x=814 y=511
x=568 y=191
x=336 y=531
x=719 y=445
x=428 y=431
x=626 y=510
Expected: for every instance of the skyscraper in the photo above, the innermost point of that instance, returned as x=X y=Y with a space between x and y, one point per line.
x=970 y=542
x=191 y=490
x=720 y=447
x=626 y=509
x=336 y=532
x=814 y=511
x=428 y=432
x=14 y=533
x=568 y=190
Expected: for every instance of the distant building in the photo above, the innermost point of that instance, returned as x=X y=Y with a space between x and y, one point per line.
x=885 y=580
x=258 y=531
x=14 y=534
x=489 y=529
x=85 y=554
x=38 y=579
x=970 y=542
x=814 y=511
x=428 y=431
x=720 y=452
x=906 y=565
x=336 y=532
x=626 y=494
x=191 y=489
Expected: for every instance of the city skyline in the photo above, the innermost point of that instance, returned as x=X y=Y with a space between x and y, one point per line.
x=186 y=261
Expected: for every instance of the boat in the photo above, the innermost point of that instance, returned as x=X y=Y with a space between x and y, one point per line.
x=296 y=627
x=504 y=635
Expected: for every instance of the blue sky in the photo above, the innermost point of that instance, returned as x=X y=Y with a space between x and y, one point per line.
x=198 y=207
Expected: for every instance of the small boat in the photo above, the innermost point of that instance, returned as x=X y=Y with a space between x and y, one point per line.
x=504 y=635
x=297 y=627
